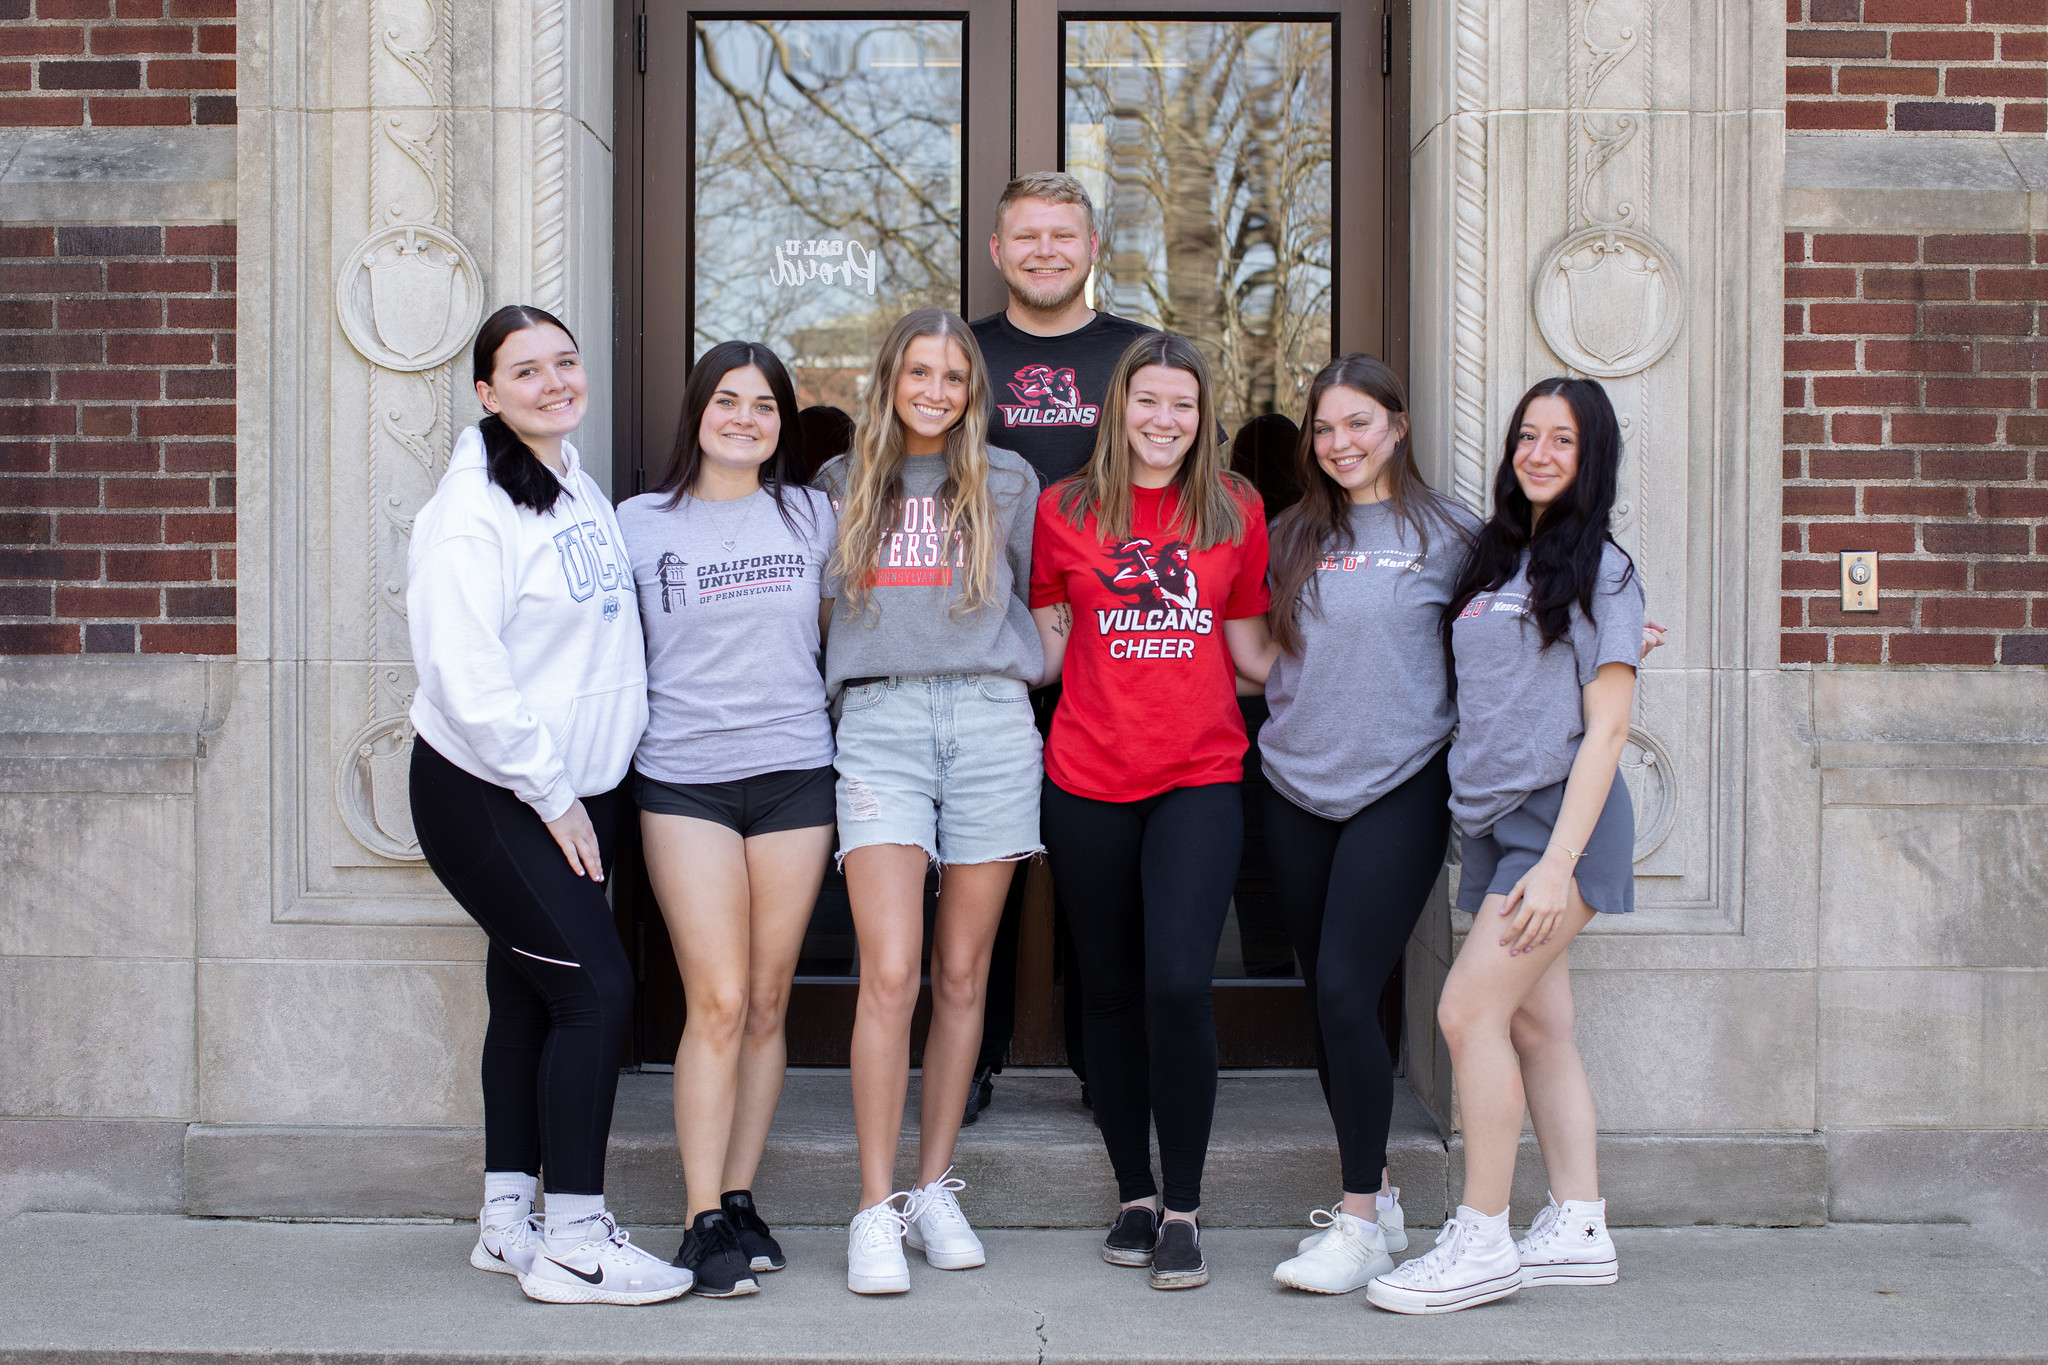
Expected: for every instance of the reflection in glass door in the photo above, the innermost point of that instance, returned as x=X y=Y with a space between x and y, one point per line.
x=828 y=187
x=1207 y=145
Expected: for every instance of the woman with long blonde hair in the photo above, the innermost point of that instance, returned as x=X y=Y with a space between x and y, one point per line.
x=1149 y=590
x=930 y=656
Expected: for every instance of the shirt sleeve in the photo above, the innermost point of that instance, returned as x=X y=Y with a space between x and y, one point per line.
x=827 y=486
x=1618 y=609
x=1249 y=595
x=1048 y=580
x=455 y=603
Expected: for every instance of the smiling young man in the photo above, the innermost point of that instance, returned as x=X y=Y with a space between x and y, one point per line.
x=1049 y=354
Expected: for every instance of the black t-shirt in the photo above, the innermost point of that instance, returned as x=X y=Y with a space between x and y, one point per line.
x=1047 y=392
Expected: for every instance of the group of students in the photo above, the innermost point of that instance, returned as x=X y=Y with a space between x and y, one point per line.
x=782 y=665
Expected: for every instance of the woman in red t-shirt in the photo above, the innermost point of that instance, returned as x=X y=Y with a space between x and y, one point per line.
x=1148 y=583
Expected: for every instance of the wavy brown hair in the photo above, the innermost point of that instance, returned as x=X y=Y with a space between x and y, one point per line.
x=1212 y=500
x=1320 y=524
x=873 y=490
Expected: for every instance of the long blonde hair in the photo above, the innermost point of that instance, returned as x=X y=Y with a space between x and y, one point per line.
x=1211 y=498
x=873 y=490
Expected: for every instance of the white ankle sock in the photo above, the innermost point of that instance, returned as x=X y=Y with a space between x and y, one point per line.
x=568 y=1217
x=1385 y=1201
x=508 y=1196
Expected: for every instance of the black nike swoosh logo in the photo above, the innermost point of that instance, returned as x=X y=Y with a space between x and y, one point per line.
x=592 y=1277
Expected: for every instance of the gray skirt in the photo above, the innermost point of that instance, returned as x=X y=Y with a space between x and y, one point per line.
x=1494 y=861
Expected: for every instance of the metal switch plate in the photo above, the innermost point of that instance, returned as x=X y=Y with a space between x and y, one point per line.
x=1859 y=580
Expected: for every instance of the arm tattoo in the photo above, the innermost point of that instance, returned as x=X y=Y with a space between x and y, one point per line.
x=1062 y=619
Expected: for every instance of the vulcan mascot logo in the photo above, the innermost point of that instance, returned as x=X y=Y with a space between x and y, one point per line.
x=1048 y=398
x=1160 y=584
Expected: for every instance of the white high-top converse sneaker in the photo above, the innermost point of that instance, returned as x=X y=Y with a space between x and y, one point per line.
x=935 y=1225
x=1568 y=1244
x=1350 y=1253
x=1473 y=1262
x=874 y=1248
x=1393 y=1224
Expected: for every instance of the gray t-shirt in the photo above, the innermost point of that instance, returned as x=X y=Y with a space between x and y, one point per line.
x=1366 y=703
x=1520 y=713
x=729 y=604
x=908 y=628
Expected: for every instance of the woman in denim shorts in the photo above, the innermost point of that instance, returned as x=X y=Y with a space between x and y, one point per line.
x=930 y=655
x=1544 y=630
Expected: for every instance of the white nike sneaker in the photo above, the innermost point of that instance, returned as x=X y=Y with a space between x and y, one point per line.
x=874 y=1248
x=1473 y=1262
x=935 y=1225
x=1568 y=1244
x=605 y=1268
x=506 y=1248
x=1393 y=1225
x=1345 y=1257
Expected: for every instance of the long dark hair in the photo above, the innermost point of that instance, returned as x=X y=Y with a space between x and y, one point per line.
x=513 y=465
x=1565 y=549
x=1320 y=523
x=705 y=376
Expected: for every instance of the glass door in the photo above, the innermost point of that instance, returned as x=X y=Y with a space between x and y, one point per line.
x=804 y=176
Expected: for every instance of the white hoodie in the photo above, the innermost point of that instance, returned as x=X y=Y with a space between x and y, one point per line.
x=526 y=634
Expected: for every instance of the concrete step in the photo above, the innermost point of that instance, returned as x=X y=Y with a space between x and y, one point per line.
x=1035 y=1158
x=116 y=1290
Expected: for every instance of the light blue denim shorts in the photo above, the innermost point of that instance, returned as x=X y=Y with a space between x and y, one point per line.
x=951 y=764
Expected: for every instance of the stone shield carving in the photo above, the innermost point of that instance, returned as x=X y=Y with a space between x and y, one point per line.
x=1652 y=788
x=371 y=789
x=410 y=297
x=1609 y=301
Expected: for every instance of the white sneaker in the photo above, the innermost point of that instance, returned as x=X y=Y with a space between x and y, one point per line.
x=1568 y=1244
x=605 y=1268
x=1393 y=1225
x=506 y=1248
x=1473 y=1262
x=935 y=1225
x=874 y=1248
x=1350 y=1253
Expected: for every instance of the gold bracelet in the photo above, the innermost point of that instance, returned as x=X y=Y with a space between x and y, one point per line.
x=1576 y=855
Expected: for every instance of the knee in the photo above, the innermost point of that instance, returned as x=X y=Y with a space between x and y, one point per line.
x=1179 y=1004
x=718 y=1013
x=764 y=1012
x=958 y=987
x=1536 y=1030
x=891 y=989
x=1464 y=1020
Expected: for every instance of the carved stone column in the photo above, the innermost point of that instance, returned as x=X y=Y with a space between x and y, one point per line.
x=1596 y=187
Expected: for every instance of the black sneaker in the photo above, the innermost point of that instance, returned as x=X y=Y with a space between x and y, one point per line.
x=1177 y=1262
x=763 y=1252
x=1132 y=1237
x=712 y=1251
x=980 y=1092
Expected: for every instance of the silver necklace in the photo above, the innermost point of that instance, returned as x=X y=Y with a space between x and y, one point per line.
x=725 y=530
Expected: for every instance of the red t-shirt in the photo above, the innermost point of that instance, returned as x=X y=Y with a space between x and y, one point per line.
x=1150 y=695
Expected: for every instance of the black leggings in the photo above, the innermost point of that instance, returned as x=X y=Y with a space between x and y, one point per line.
x=1350 y=892
x=1146 y=885
x=557 y=978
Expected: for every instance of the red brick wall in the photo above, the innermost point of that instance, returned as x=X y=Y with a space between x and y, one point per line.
x=1916 y=65
x=117 y=427
x=1916 y=367
x=116 y=63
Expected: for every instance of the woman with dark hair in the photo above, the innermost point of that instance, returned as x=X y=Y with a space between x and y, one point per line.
x=1543 y=630
x=735 y=772
x=532 y=693
x=828 y=431
x=1355 y=753
x=1147 y=584
x=1263 y=452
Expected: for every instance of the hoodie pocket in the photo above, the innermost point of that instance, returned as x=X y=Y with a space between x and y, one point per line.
x=599 y=734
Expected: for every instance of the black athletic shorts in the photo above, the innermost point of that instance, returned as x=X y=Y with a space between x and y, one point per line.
x=763 y=804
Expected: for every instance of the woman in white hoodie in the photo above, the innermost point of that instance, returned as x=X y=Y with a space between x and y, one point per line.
x=532 y=695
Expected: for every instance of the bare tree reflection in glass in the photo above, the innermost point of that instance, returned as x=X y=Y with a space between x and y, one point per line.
x=1208 y=146
x=827 y=192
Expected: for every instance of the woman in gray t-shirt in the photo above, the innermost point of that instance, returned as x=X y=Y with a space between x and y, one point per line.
x=735 y=771
x=1356 y=814
x=1545 y=628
